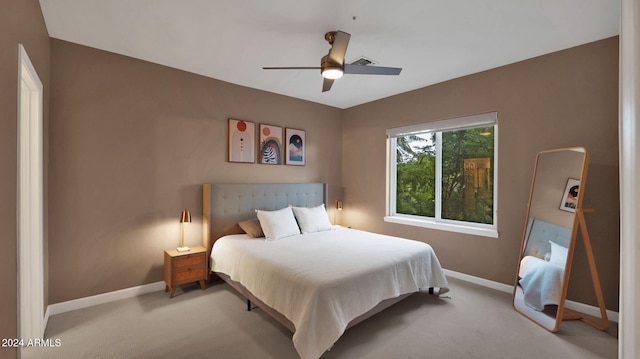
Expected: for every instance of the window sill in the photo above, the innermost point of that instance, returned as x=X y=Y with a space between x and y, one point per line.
x=443 y=226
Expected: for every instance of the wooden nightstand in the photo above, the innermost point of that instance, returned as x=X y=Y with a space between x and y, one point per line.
x=184 y=267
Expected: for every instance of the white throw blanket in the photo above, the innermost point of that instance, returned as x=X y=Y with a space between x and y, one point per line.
x=541 y=282
x=323 y=280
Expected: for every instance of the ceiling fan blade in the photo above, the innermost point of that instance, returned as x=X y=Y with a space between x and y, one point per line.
x=326 y=85
x=371 y=70
x=339 y=47
x=291 y=68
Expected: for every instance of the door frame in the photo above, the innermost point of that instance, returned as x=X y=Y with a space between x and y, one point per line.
x=30 y=203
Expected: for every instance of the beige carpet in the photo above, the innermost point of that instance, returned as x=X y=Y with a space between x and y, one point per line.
x=476 y=322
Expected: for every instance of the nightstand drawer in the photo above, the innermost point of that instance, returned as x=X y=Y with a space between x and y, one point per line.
x=190 y=275
x=185 y=267
x=189 y=260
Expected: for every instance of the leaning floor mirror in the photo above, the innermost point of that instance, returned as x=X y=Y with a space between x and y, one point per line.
x=554 y=216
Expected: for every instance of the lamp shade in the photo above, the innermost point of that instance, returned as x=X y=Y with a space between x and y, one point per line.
x=186 y=216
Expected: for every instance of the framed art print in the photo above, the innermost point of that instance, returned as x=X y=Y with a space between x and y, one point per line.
x=296 y=147
x=242 y=138
x=270 y=145
x=570 y=197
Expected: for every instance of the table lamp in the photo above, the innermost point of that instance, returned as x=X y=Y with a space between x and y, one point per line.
x=184 y=218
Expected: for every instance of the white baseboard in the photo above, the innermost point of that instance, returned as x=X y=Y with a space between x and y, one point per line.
x=480 y=281
x=590 y=310
x=577 y=306
x=85 y=302
x=80 y=303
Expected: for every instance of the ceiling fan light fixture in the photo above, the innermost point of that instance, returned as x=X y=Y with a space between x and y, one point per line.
x=333 y=66
x=332 y=73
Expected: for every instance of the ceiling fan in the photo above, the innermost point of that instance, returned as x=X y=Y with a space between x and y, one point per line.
x=332 y=65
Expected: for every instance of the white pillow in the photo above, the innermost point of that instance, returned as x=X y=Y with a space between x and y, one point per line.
x=558 y=254
x=314 y=219
x=278 y=224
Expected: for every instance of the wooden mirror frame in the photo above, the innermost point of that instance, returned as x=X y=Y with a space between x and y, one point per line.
x=545 y=318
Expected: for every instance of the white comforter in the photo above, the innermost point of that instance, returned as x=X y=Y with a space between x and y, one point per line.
x=323 y=280
x=541 y=282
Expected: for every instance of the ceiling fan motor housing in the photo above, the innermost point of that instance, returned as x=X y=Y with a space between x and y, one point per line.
x=330 y=69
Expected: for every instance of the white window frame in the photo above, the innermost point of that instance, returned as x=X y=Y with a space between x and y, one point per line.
x=489 y=119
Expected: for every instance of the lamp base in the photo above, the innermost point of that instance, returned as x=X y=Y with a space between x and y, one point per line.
x=183 y=249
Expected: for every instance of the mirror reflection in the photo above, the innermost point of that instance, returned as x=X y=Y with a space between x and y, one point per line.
x=549 y=235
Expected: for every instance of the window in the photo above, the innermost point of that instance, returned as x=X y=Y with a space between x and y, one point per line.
x=443 y=175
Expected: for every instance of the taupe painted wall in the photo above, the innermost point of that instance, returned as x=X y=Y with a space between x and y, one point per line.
x=131 y=144
x=568 y=98
x=21 y=21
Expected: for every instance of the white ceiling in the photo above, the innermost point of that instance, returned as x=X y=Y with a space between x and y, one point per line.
x=432 y=40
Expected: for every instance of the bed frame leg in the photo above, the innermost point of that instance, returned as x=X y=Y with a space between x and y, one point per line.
x=248 y=305
x=431 y=290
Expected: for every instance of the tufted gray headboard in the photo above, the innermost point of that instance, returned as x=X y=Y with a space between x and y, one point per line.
x=225 y=204
x=539 y=233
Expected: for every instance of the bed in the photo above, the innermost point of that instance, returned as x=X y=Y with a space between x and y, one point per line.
x=541 y=282
x=317 y=282
x=541 y=270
